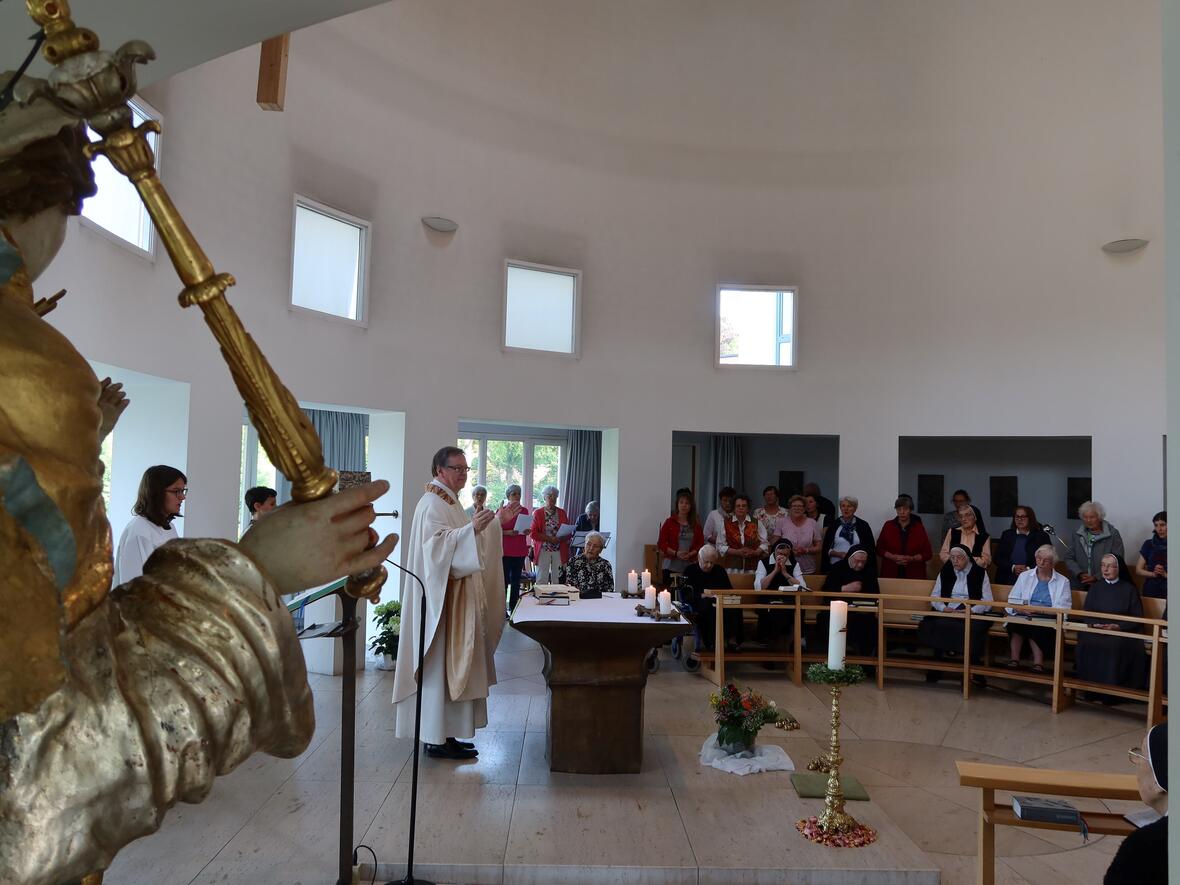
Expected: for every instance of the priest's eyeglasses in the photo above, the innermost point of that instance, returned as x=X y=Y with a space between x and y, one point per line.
x=458 y=468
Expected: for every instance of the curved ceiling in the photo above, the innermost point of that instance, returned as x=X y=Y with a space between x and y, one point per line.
x=184 y=33
x=748 y=92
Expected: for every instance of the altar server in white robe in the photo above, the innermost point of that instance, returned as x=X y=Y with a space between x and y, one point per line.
x=459 y=559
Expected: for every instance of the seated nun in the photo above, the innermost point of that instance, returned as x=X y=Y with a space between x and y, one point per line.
x=1044 y=586
x=855 y=573
x=590 y=573
x=1142 y=859
x=1111 y=658
x=779 y=572
x=960 y=579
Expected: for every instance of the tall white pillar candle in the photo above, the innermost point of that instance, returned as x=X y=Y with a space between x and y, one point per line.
x=665 y=602
x=646 y=576
x=649 y=597
x=633 y=583
x=837 y=634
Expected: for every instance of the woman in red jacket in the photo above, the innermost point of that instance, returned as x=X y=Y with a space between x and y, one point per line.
x=681 y=537
x=903 y=544
x=550 y=552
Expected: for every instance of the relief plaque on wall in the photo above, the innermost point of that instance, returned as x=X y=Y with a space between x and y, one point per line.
x=930 y=499
x=1077 y=492
x=790 y=482
x=1005 y=495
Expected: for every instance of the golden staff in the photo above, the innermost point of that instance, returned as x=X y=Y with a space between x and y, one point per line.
x=95 y=86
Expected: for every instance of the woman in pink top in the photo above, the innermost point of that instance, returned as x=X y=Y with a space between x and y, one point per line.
x=802 y=531
x=549 y=551
x=515 y=543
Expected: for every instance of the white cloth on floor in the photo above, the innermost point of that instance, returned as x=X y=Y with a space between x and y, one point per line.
x=764 y=757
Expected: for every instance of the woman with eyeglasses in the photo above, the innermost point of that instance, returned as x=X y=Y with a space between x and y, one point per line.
x=550 y=551
x=1016 y=551
x=162 y=491
x=1142 y=859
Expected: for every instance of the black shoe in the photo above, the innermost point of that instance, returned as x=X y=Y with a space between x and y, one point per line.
x=933 y=675
x=981 y=681
x=443 y=751
x=464 y=745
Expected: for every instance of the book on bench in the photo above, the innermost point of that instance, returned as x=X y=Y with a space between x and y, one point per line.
x=1050 y=811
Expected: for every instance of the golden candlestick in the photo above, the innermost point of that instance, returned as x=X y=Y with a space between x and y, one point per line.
x=96 y=86
x=834 y=819
x=834 y=826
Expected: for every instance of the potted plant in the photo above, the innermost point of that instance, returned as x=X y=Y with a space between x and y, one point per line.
x=388 y=618
x=739 y=715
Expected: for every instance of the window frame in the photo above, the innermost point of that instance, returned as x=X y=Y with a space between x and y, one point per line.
x=148 y=112
x=576 y=336
x=526 y=486
x=778 y=336
x=363 y=270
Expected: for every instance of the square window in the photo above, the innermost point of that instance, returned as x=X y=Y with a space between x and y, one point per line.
x=541 y=308
x=329 y=262
x=756 y=326
x=116 y=209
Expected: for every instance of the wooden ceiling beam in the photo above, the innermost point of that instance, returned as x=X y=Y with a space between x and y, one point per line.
x=272 y=72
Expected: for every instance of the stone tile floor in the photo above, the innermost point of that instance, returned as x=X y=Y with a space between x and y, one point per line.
x=507 y=818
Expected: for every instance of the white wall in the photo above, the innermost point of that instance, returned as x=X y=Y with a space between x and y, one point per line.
x=153 y=430
x=944 y=235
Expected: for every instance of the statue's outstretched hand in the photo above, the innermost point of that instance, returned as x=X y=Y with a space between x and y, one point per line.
x=305 y=545
x=112 y=402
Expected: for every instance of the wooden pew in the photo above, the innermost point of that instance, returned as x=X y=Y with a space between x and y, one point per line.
x=899 y=604
x=1040 y=781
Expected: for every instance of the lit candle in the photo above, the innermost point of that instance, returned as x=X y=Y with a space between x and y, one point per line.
x=646 y=576
x=649 y=597
x=633 y=583
x=837 y=634
x=665 y=602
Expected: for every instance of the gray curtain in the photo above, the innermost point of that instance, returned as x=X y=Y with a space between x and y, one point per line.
x=725 y=468
x=583 y=471
x=342 y=435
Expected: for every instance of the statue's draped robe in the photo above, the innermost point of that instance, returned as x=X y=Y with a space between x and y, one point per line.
x=464 y=579
x=114 y=707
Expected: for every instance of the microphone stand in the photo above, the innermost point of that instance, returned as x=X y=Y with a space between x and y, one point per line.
x=409 y=879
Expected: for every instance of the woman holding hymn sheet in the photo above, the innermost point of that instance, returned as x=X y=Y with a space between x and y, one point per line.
x=459 y=560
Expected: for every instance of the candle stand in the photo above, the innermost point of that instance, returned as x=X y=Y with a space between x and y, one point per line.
x=835 y=827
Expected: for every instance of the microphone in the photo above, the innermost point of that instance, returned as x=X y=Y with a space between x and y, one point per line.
x=1052 y=533
x=395 y=515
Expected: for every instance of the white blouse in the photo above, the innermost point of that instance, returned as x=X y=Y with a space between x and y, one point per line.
x=760 y=575
x=1026 y=584
x=139 y=540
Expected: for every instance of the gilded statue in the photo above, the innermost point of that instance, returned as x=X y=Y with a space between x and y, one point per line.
x=118 y=702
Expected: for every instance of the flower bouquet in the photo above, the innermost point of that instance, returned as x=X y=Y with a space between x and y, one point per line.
x=740 y=715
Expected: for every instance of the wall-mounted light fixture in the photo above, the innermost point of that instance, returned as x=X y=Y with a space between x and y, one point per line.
x=442 y=225
x=1122 y=247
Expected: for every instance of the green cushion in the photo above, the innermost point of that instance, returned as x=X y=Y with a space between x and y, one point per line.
x=813 y=785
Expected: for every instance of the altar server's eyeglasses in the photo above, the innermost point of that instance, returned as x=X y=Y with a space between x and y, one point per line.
x=1135 y=754
x=180 y=493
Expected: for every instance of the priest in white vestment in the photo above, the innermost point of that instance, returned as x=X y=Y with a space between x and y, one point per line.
x=459 y=559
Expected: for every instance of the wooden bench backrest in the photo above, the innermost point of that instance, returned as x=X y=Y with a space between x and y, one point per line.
x=1152 y=607
x=742 y=580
